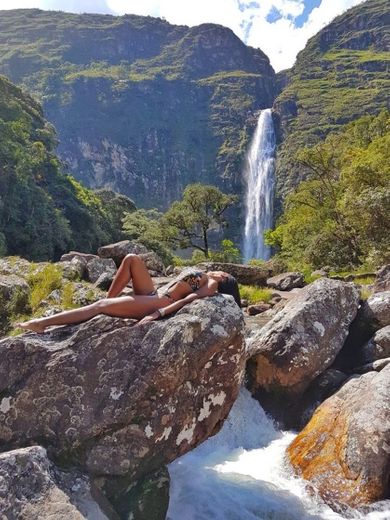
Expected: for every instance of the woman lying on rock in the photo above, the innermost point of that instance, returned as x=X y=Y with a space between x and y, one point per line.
x=147 y=304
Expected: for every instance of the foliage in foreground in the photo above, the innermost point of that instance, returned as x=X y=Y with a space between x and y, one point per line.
x=341 y=216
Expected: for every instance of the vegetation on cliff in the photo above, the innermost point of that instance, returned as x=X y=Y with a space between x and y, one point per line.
x=141 y=105
x=44 y=212
x=340 y=216
x=341 y=75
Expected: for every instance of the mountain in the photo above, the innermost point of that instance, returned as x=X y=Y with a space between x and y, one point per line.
x=342 y=74
x=140 y=106
x=43 y=211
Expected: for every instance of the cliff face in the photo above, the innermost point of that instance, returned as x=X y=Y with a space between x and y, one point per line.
x=342 y=74
x=140 y=106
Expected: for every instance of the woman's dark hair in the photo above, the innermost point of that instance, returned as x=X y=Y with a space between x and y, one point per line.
x=230 y=286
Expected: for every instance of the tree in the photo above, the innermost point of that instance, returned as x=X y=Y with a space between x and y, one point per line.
x=340 y=216
x=188 y=222
x=145 y=225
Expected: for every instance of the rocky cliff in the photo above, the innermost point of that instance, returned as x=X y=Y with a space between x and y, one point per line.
x=140 y=106
x=342 y=74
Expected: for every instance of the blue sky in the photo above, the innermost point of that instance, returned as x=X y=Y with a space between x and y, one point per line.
x=280 y=28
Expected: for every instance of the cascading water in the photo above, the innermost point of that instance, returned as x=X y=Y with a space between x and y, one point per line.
x=259 y=175
x=241 y=474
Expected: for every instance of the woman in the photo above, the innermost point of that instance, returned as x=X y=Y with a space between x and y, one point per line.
x=147 y=304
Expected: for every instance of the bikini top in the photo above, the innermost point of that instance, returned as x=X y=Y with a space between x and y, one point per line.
x=190 y=276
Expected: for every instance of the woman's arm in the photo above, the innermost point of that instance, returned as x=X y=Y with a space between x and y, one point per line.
x=208 y=289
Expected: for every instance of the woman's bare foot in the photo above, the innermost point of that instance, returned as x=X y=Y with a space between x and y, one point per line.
x=33 y=325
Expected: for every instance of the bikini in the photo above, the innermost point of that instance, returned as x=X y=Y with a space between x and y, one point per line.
x=192 y=277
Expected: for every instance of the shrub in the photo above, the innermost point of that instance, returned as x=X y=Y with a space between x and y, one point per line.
x=254 y=294
x=42 y=283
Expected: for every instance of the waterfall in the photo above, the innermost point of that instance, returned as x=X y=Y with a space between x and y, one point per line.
x=242 y=474
x=259 y=175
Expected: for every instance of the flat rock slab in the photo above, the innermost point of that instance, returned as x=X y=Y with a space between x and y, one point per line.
x=244 y=274
x=122 y=400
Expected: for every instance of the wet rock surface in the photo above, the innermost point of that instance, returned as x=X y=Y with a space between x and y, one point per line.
x=344 y=450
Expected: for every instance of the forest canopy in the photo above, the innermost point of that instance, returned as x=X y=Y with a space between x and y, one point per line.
x=340 y=216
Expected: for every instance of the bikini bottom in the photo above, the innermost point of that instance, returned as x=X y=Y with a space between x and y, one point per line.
x=155 y=293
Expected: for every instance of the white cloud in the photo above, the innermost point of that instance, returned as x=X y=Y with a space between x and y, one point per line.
x=18 y=4
x=281 y=40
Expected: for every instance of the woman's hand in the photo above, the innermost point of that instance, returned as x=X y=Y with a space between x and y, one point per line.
x=147 y=319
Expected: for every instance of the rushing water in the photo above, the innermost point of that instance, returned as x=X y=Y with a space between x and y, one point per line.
x=259 y=175
x=241 y=474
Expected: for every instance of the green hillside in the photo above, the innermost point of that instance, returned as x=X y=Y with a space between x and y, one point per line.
x=44 y=212
x=342 y=74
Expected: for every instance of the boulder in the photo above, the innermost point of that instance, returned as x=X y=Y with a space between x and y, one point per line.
x=33 y=489
x=153 y=262
x=119 y=250
x=286 y=281
x=258 y=308
x=376 y=309
x=378 y=347
x=376 y=366
x=118 y=400
x=85 y=294
x=320 y=389
x=14 y=299
x=344 y=450
x=96 y=267
x=83 y=257
x=14 y=293
x=301 y=341
x=382 y=281
x=373 y=314
x=244 y=274
x=15 y=265
x=74 y=269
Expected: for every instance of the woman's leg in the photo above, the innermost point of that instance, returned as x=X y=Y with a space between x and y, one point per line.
x=132 y=268
x=123 y=307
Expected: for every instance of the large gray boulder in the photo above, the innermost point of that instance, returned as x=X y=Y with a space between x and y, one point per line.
x=344 y=450
x=120 y=400
x=302 y=340
x=33 y=489
x=286 y=281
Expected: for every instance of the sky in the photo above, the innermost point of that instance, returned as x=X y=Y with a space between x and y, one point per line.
x=280 y=28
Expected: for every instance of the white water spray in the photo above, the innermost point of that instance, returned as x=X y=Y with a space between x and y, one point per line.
x=259 y=175
x=241 y=474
